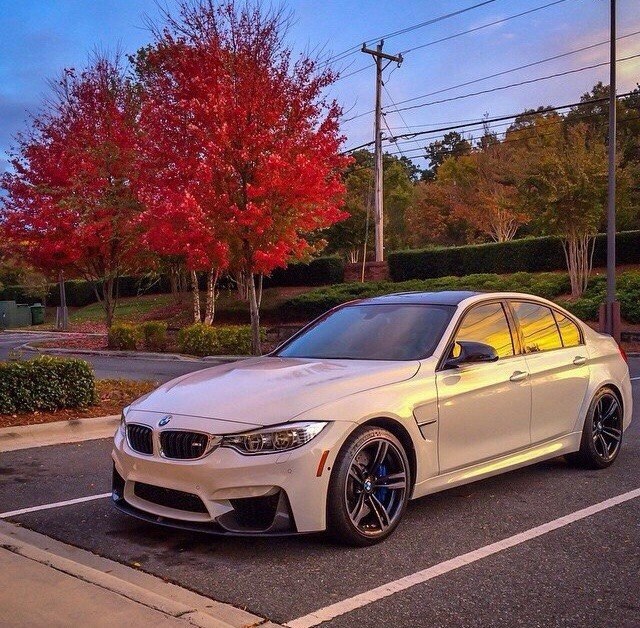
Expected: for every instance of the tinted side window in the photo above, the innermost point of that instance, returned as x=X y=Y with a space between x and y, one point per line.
x=488 y=324
x=539 y=329
x=568 y=330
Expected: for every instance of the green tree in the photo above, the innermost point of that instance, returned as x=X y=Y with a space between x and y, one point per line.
x=565 y=182
x=453 y=144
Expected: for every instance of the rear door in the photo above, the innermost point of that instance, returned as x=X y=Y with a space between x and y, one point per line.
x=557 y=362
x=484 y=409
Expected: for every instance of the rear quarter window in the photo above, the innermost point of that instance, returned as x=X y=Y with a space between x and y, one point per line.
x=569 y=331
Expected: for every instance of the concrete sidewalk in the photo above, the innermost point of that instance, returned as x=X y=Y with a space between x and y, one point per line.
x=57 y=432
x=47 y=583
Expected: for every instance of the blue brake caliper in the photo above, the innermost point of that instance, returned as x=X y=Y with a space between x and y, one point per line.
x=382 y=492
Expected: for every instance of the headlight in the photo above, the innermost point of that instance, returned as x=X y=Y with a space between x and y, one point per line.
x=123 y=423
x=274 y=439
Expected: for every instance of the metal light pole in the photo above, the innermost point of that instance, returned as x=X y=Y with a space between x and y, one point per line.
x=612 y=307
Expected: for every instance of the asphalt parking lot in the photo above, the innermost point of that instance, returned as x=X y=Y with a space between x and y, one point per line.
x=585 y=572
x=110 y=366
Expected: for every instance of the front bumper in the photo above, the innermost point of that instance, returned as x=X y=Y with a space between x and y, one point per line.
x=226 y=492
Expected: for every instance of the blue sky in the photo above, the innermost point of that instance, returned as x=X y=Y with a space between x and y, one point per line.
x=38 y=38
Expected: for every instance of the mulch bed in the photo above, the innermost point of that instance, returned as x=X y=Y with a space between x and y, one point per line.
x=114 y=394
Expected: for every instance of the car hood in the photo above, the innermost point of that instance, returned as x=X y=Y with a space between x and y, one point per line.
x=270 y=390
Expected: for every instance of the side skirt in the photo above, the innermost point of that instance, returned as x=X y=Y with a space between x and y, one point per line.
x=543 y=451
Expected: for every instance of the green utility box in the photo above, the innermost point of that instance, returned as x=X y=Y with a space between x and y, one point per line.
x=23 y=315
x=37 y=314
x=7 y=314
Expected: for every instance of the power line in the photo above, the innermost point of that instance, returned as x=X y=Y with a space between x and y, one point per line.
x=477 y=28
x=353 y=49
x=503 y=72
x=518 y=84
x=495 y=119
x=406 y=126
x=509 y=140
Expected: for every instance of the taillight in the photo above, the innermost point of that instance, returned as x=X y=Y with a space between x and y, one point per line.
x=623 y=354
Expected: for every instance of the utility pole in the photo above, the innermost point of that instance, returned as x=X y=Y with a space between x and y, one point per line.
x=378 y=56
x=612 y=307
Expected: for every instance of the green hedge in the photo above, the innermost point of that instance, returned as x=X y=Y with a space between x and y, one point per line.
x=318 y=272
x=548 y=285
x=45 y=383
x=201 y=339
x=528 y=255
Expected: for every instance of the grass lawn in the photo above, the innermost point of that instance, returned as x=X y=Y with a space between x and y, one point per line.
x=229 y=309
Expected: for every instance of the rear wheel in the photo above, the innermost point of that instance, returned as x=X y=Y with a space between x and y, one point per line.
x=602 y=432
x=369 y=487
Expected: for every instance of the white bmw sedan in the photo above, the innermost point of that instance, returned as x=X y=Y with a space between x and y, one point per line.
x=377 y=402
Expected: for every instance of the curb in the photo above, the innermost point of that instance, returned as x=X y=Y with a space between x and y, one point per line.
x=135 y=355
x=57 y=432
x=140 y=587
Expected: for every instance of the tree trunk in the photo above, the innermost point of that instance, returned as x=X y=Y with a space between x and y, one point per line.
x=243 y=285
x=260 y=282
x=108 y=300
x=254 y=312
x=210 y=304
x=174 y=282
x=578 y=252
x=195 y=292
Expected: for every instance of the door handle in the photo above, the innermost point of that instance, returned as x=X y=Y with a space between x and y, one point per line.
x=579 y=359
x=518 y=376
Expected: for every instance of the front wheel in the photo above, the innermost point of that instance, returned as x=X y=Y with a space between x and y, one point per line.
x=602 y=432
x=369 y=487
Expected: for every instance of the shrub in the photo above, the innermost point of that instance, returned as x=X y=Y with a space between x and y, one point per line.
x=318 y=272
x=124 y=336
x=154 y=334
x=200 y=339
x=584 y=308
x=311 y=304
x=527 y=254
x=629 y=296
x=45 y=383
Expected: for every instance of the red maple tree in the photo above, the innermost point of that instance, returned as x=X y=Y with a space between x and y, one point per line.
x=240 y=147
x=69 y=203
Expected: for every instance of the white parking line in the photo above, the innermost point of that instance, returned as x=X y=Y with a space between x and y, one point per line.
x=358 y=601
x=633 y=379
x=69 y=502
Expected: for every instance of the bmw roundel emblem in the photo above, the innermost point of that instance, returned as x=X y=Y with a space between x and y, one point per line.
x=164 y=420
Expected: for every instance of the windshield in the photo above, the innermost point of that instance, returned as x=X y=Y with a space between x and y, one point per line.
x=373 y=332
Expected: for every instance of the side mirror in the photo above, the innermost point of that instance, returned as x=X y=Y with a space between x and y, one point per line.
x=471 y=353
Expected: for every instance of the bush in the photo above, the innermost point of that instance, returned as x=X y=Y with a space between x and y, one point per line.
x=311 y=304
x=318 y=272
x=547 y=285
x=200 y=339
x=154 y=334
x=46 y=383
x=629 y=296
x=584 y=308
x=124 y=336
x=527 y=254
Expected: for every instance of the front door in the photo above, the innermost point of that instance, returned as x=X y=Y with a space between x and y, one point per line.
x=484 y=408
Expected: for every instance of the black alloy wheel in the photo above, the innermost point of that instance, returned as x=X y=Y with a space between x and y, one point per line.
x=602 y=433
x=369 y=487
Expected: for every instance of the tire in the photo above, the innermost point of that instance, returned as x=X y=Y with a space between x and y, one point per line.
x=369 y=487
x=602 y=432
